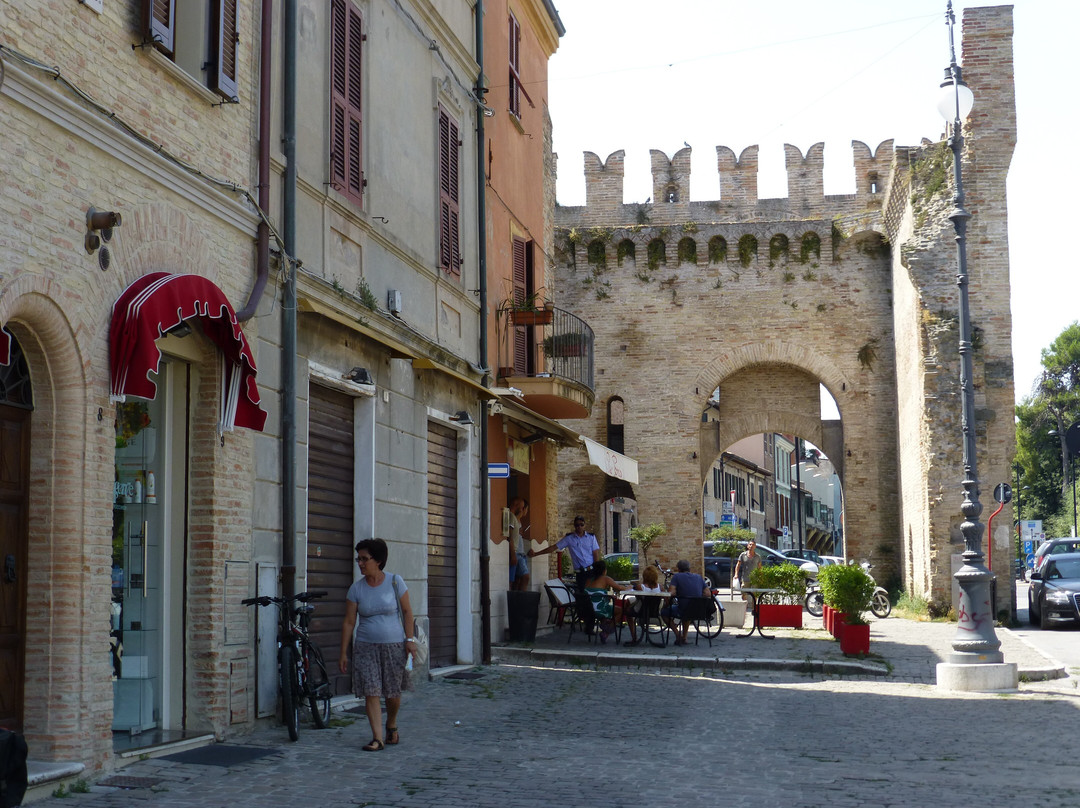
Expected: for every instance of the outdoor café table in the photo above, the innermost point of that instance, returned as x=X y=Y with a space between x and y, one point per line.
x=648 y=610
x=755 y=595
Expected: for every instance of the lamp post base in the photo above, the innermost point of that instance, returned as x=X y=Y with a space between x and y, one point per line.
x=977 y=678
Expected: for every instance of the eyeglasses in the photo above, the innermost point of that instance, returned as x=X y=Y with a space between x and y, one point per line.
x=363 y=559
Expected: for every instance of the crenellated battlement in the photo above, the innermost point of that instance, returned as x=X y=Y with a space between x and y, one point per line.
x=738 y=176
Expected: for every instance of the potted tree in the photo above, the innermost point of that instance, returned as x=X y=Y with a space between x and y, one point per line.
x=645 y=535
x=849 y=590
x=785 y=608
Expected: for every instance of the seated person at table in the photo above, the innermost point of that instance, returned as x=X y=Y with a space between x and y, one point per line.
x=597 y=584
x=650 y=585
x=684 y=584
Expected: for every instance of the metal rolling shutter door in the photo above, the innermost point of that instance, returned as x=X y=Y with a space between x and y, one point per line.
x=442 y=544
x=330 y=519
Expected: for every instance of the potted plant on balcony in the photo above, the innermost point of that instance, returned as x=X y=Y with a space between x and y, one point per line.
x=784 y=609
x=530 y=309
x=849 y=591
x=573 y=343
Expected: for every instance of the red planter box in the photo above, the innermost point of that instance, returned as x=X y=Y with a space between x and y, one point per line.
x=855 y=640
x=826 y=617
x=780 y=615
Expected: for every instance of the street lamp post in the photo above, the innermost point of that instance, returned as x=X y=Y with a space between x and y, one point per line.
x=975 y=641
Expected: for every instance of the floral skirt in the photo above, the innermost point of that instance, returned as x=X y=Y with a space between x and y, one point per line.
x=378 y=669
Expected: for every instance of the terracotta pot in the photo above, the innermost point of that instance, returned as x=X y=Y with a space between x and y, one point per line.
x=536 y=317
x=780 y=615
x=855 y=640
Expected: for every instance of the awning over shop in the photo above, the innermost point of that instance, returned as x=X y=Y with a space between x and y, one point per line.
x=611 y=463
x=160 y=301
x=516 y=411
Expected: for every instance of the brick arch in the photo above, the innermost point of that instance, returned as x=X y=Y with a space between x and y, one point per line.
x=805 y=426
x=159 y=237
x=59 y=354
x=776 y=352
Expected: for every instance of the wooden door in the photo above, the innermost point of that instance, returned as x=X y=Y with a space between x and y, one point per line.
x=14 y=462
x=442 y=544
x=330 y=519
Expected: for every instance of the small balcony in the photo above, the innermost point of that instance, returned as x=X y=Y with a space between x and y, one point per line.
x=547 y=354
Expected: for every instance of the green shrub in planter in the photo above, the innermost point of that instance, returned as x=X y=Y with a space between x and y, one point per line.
x=848 y=589
x=786 y=577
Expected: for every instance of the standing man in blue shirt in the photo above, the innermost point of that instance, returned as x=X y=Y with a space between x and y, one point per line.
x=583 y=548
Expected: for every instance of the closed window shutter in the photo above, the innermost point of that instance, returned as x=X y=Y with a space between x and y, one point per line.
x=159 y=24
x=224 y=37
x=449 y=202
x=520 y=285
x=346 y=156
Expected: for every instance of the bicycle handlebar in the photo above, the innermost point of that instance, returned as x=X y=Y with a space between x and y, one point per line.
x=266 y=600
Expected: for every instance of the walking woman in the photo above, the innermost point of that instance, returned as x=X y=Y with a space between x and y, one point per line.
x=378 y=607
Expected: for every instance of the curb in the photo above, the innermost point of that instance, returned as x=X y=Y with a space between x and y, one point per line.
x=1056 y=670
x=599 y=659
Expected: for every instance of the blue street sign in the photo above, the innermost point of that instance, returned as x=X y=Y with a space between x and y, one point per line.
x=498 y=471
x=1029 y=547
x=728 y=519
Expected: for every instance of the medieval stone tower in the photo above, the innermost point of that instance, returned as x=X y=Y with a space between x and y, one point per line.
x=768 y=298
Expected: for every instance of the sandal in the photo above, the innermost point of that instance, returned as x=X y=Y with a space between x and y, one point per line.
x=392 y=738
x=375 y=746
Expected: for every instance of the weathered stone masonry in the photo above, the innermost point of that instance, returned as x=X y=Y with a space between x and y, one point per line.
x=767 y=298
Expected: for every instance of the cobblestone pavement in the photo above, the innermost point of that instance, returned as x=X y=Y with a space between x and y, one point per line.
x=574 y=734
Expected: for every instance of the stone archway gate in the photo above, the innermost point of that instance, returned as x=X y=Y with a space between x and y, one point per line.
x=768 y=298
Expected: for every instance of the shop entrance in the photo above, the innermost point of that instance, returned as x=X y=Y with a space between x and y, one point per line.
x=148 y=552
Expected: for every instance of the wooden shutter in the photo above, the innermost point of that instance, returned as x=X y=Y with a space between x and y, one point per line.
x=449 y=200
x=521 y=291
x=159 y=24
x=515 y=67
x=346 y=100
x=223 y=39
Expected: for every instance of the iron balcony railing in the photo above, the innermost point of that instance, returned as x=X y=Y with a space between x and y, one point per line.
x=546 y=343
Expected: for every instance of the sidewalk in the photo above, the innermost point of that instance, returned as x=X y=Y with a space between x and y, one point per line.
x=900 y=650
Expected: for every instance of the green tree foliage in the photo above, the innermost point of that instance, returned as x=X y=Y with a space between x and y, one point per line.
x=1045 y=478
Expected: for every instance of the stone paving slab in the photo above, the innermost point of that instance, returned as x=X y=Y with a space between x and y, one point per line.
x=533 y=737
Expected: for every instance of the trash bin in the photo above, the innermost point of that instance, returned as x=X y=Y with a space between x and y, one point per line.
x=523 y=609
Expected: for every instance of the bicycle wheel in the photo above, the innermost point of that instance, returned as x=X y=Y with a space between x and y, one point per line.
x=815 y=603
x=881 y=606
x=290 y=702
x=715 y=624
x=317 y=685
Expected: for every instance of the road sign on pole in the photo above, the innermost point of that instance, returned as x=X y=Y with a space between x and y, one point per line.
x=498 y=471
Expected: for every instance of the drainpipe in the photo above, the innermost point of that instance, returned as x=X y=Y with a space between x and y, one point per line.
x=481 y=252
x=288 y=308
x=262 y=241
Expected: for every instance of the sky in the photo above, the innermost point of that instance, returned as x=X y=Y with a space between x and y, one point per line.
x=640 y=74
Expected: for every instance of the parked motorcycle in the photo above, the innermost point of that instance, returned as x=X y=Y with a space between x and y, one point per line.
x=880 y=604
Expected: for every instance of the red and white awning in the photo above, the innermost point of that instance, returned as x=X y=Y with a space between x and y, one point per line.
x=157 y=302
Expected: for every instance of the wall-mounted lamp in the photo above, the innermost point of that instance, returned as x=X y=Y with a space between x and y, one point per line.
x=462 y=417
x=359 y=375
x=99 y=228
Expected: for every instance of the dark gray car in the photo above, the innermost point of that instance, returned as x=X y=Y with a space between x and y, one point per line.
x=718 y=567
x=1054 y=594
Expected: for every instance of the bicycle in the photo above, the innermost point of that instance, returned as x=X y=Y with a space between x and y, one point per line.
x=302 y=673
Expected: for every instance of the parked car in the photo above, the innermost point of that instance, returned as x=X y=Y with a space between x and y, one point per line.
x=633 y=560
x=826 y=560
x=1054 y=546
x=718 y=567
x=1054 y=594
x=806 y=555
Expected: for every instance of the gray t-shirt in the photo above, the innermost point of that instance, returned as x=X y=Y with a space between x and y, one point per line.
x=378 y=615
x=748 y=564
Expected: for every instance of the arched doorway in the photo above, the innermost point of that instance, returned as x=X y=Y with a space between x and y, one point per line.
x=16 y=405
